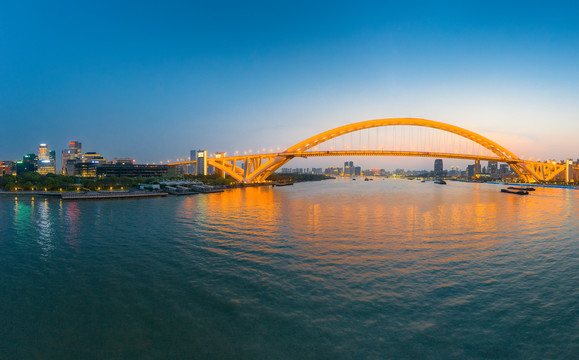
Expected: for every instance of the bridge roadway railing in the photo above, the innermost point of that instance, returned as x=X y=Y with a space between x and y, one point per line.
x=257 y=167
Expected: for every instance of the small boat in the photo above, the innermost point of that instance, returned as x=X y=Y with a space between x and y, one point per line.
x=440 y=182
x=282 y=184
x=516 y=192
x=521 y=188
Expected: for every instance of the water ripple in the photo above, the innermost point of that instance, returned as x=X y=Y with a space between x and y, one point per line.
x=386 y=269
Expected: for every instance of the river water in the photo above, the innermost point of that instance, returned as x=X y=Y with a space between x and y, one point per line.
x=338 y=269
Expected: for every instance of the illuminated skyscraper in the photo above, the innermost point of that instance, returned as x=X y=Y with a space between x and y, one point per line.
x=70 y=156
x=477 y=167
x=349 y=168
x=199 y=168
x=46 y=162
x=43 y=152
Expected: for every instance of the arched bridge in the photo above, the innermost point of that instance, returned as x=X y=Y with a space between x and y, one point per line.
x=257 y=167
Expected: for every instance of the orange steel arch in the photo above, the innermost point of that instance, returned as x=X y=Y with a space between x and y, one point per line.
x=346 y=129
x=502 y=153
x=257 y=167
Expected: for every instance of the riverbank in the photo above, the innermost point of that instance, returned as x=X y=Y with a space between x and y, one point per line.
x=84 y=195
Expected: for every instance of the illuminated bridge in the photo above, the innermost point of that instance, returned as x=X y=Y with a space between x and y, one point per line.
x=388 y=137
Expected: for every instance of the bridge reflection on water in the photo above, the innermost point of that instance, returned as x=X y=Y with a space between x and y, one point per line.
x=397 y=211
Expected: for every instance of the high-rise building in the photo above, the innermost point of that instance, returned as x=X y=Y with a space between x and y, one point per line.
x=470 y=171
x=504 y=169
x=43 y=150
x=493 y=168
x=46 y=162
x=28 y=163
x=219 y=155
x=438 y=168
x=569 y=176
x=70 y=157
x=200 y=167
x=349 y=169
x=477 y=168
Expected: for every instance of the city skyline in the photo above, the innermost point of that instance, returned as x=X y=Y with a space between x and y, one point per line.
x=412 y=164
x=155 y=82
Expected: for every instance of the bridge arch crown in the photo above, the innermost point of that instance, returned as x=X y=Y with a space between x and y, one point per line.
x=325 y=136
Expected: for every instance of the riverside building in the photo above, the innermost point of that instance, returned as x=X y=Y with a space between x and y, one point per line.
x=71 y=156
x=46 y=160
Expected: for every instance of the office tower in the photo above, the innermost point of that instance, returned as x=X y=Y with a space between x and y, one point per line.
x=504 y=169
x=438 y=167
x=200 y=167
x=569 y=176
x=43 y=150
x=76 y=147
x=28 y=163
x=492 y=167
x=70 y=157
x=46 y=162
x=477 y=168
x=470 y=170
x=349 y=168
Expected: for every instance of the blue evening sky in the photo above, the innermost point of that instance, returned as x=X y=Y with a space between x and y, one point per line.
x=153 y=80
